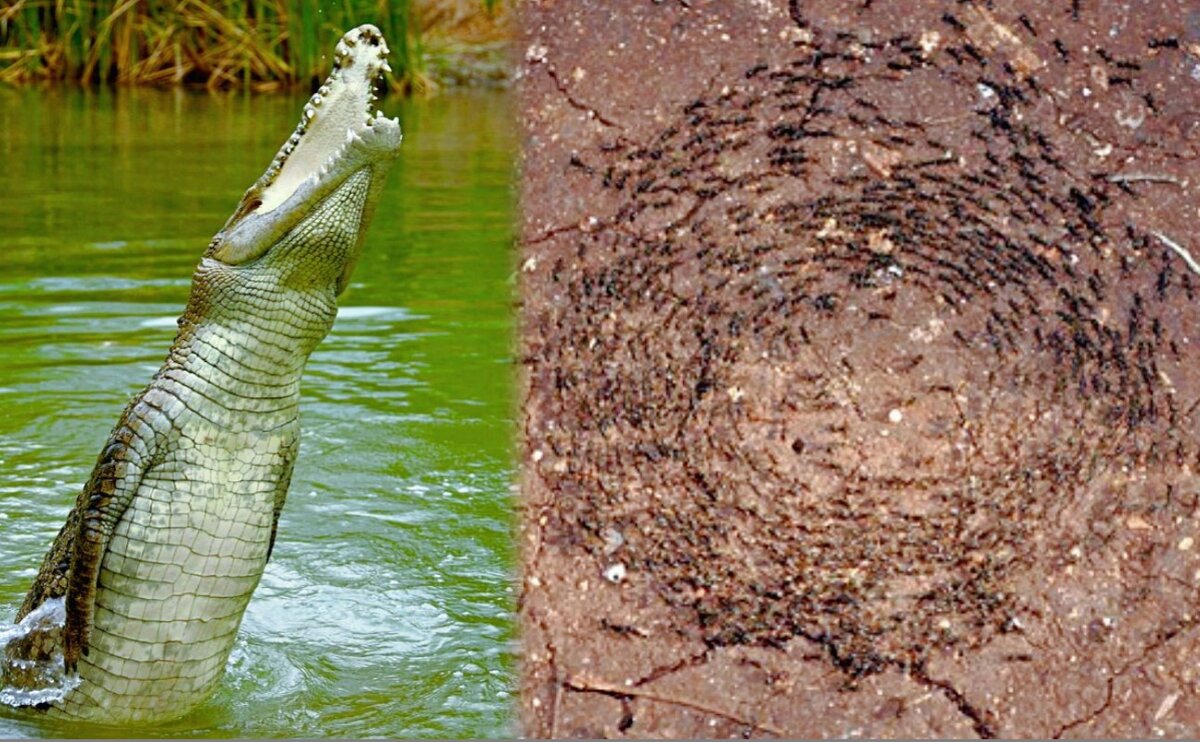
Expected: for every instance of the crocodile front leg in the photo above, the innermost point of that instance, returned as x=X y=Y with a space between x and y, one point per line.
x=72 y=566
x=108 y=493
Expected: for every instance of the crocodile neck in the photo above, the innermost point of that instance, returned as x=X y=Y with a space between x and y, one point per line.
x=239 y=356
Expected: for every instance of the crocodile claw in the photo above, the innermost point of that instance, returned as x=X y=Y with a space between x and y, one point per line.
x=75 y=645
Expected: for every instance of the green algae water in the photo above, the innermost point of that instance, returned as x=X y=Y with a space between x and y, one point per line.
x=386 y=608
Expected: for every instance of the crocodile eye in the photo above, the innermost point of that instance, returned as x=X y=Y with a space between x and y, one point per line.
x=247 y=208
x=236 y=253
x=248 y=205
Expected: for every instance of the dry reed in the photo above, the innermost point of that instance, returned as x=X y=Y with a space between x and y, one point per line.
x=260 y=44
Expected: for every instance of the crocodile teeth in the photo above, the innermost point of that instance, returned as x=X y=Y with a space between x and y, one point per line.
x=346 y=101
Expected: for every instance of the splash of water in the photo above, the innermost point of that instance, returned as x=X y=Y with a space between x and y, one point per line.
x=32 y=669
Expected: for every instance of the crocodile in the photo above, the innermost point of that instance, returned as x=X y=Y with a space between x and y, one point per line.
x=170 y=535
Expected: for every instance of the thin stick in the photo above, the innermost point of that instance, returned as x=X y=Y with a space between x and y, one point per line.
x=1144 y=178
x=1180 y=251
x=618 y=691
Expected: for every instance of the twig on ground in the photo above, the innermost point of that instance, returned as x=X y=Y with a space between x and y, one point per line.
x=1180 y=250
x=1144 y=178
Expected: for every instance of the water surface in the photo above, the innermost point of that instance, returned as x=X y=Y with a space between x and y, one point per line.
x=385 y=609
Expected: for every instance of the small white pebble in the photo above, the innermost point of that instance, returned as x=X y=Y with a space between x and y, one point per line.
x=537 y=455
x=615 y=572
x=929 y=41
x=895 y=416
x=1186 y=543
x=536 y=53
x=796 y=34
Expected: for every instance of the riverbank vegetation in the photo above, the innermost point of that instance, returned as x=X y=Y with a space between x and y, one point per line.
x=258 y=44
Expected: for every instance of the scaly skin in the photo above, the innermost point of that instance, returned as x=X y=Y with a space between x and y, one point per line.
x=169 y=538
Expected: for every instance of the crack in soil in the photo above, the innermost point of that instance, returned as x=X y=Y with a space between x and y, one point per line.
x=579 y=105
x=552 y=665
x=979 y=719
x=1165 y=637
x=550 y=233
x=627 y=692
x=1091 y=716
x=659 y=673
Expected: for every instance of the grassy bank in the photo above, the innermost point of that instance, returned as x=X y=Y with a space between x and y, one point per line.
x=261 y=44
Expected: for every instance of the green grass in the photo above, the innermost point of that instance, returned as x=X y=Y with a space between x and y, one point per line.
x=260 y=44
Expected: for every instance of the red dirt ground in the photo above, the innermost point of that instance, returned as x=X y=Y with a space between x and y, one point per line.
x=862 y=371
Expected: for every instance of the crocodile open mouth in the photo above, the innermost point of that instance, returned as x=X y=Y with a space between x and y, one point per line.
x=340 y=133
x=338 y=113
